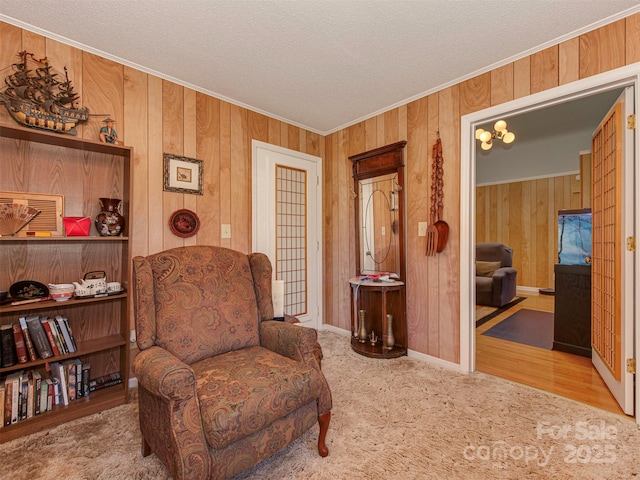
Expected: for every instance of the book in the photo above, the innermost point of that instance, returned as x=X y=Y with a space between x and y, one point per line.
x=28 y=341
x=70 y=371
x=64 y=331
x=50 y=391
x=18 y=340
x=56 y=395
x=23 y=396
x=68 y=327
x=86 y=373
x=56 y=338
x=2 y=389
x=43 y=394
x=58 y=373
x=52 y=340
x=36 y=377
x=79 y=388
x=12 y=403
x=105 y=381
x=8 y=397
x=30 y=397
x=39 y=337
x=9 y=357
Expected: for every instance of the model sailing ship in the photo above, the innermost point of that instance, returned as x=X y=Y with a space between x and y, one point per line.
x=37 y=98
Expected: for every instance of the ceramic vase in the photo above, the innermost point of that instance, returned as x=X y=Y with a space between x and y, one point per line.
x=109 y=221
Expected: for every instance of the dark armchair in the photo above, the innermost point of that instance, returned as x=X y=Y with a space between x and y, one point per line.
x=495 y=276
x=221 y=385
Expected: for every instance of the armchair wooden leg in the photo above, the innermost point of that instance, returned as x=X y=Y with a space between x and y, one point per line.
x=323 y=420
x=146 y=449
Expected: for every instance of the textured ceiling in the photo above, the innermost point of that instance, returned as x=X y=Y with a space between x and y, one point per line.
x=319 y=64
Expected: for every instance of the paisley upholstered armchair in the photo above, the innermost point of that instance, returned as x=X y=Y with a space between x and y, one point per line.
x=221 y=385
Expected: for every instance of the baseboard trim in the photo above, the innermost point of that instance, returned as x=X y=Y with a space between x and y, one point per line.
x=438 y=362
x=340 y=331
x=531 y=291
x=435 y=361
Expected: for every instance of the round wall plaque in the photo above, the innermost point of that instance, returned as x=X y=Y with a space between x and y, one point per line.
x=184 y=223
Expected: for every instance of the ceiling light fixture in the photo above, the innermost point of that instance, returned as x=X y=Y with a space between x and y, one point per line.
x=499 y=131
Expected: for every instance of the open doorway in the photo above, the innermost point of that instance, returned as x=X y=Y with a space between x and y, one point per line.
x=580 y=90
x=520 y=187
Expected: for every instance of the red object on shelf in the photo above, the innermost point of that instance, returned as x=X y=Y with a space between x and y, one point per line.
x=77 y=226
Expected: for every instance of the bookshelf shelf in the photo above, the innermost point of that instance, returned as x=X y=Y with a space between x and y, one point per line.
x=64 y=239
x=52 y=304
x=96 y=402
x=82 y=171
x=86 y=347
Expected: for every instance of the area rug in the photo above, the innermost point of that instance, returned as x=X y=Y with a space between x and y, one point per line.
x=485 y=313
x=396 y=419
x=531 y=327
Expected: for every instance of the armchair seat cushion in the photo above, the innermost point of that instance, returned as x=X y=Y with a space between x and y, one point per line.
x=243 y=391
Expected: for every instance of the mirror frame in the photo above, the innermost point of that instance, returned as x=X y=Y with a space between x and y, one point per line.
x=373 y=163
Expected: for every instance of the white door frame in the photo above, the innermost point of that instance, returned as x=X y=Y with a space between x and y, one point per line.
x=314 y=218
x=618 y=78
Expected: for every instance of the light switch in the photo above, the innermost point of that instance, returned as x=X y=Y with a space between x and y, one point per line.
x=226 y=230
x=422 y=229
x=384 y=231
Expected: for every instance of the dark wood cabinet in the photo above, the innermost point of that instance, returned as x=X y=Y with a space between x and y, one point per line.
x=377 y=300
x=572 y=317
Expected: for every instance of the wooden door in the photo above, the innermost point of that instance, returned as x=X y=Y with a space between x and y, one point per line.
x=287 y=208
x=612 y=269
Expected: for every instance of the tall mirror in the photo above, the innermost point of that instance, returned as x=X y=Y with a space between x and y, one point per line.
x=379 y=225
x=379 y=202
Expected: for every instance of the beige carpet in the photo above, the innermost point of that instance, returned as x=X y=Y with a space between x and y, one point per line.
x=392 y=419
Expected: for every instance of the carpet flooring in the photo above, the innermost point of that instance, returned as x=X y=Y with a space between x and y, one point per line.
x=485 y=313
x=530 y=327
x=396 y=419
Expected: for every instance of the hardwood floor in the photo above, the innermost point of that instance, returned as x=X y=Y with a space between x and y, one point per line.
x=561 y=373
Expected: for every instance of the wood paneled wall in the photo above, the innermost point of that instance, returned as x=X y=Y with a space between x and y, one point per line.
x=433 y=283
x=524 y=216
x=156 y=116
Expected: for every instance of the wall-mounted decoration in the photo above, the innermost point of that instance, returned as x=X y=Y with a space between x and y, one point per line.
x=38 y=96
x=182 y=174
x=108 y=134
x=184 y=223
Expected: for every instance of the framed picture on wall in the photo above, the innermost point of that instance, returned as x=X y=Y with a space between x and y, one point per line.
x=182 y=174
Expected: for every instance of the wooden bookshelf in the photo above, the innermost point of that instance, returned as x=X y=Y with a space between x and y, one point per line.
x=83 y=171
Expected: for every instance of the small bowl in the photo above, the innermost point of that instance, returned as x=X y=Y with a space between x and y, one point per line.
x=4 y=294
x=62 y=291
x=61 y=297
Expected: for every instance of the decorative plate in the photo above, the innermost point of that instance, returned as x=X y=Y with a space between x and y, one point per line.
x=28 y=289
x=184 y=223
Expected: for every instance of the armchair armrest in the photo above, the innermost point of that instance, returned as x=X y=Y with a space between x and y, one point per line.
x=164 y=375
x=169 y=413
x=301 y=344
x=504 y=271
x=290 y=340
x=504 y=285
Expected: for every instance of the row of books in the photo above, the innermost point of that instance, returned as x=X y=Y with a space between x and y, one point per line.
x=35 y=337
x=32 y=392
x=25 y=394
